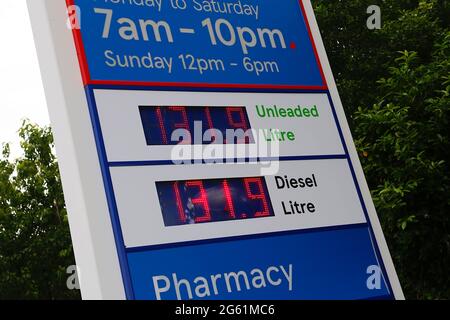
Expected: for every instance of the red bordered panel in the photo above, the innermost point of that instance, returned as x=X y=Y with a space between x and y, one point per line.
x=87 y=80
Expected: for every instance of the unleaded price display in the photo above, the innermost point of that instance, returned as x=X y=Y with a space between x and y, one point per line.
x=161 y=122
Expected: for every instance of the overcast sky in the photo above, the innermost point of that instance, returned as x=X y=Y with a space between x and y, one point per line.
x=21 y=90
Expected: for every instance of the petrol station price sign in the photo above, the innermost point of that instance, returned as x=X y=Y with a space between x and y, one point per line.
x=205 y=153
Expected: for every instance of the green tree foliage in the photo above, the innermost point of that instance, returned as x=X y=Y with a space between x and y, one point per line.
x=401 y=126
x=359 y=56
x=405 y=139
x=35 y=245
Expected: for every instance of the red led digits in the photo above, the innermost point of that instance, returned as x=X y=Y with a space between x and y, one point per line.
x=209 y=118
x=228 y=199
x=179 y=202
x=201 y=201
x=161 y=125
x=213 y=200
x=240 y=124
x=210 y=123
x=257 y=196
x=160 y=122
x=184 y=124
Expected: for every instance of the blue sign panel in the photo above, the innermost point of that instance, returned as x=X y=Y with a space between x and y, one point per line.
x=198 y=41
x=314 y=265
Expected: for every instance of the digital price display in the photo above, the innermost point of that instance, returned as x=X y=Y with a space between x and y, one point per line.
x=202 y=201
x=160 y=122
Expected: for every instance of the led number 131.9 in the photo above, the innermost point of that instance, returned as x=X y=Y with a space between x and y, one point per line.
x=200 y=201
x=160 y=123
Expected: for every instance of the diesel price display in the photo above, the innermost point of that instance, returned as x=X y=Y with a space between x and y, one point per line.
x=212 y=200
